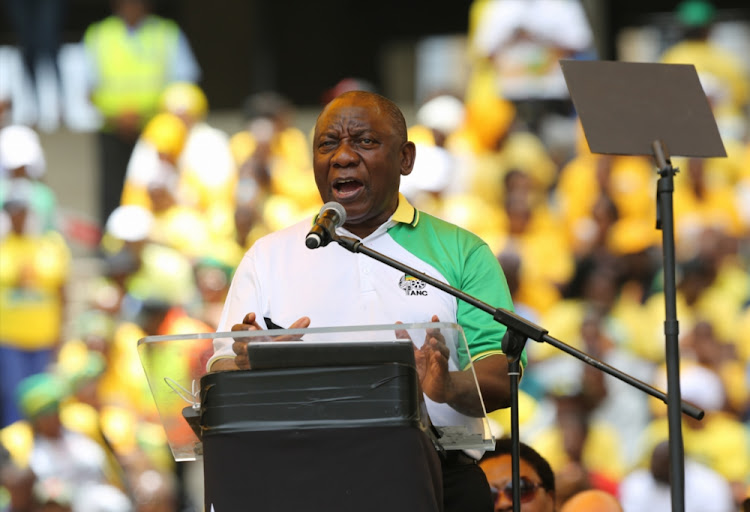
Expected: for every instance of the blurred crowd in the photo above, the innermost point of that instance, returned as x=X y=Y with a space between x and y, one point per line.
x=507 y=159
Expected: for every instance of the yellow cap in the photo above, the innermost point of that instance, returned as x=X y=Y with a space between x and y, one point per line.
x=184 y=98
x=78 y=365
x=167 y=133
x=39 y=394
x=527 y=408
x=420 y=134
x=489 y=119
x=631 y=235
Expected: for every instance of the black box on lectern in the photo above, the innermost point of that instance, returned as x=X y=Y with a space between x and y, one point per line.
x=384 y=394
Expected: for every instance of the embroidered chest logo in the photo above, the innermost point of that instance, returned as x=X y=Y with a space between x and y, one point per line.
x=412 y=286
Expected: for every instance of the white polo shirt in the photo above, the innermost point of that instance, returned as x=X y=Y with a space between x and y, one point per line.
x=281 y=280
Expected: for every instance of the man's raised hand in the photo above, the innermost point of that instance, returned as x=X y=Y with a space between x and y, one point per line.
x=250 y=323
x=432 y=364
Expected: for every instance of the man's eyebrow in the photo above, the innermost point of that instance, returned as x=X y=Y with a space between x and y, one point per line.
x=365 y=131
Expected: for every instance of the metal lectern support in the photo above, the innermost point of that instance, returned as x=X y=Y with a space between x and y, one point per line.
x=665 y=223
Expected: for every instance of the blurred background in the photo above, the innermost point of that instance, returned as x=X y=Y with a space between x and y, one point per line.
x=406 y=51
x=145 y=145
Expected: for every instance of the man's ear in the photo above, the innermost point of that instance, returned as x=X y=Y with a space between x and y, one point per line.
x=408 y=154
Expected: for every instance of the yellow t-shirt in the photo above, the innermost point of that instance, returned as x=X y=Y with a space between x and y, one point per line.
x=33 y=271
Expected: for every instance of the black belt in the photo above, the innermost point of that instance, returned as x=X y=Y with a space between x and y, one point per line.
x=456 y=458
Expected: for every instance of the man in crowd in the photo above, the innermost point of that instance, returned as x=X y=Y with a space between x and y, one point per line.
x=648 y=488
x=360 y=151
x=537 y=479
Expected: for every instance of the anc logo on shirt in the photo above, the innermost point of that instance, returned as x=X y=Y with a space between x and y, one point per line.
x=411 y=285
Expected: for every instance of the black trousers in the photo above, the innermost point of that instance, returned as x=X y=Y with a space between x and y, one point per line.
x=465 y=487
x=114 y=155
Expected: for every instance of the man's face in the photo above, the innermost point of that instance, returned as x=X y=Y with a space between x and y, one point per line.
x=132 y=11
x=499 y=475
x=17 y=213
x=48 y=425
x=358 y=159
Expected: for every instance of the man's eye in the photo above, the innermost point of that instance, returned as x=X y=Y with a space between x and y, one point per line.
x=366 y=141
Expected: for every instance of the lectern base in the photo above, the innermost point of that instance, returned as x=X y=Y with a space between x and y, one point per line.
x=359 y=469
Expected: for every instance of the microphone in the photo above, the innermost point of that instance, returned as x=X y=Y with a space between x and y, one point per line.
x=332 y=215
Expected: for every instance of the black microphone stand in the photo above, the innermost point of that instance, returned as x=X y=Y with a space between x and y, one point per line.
x=513 y=345
x=518 y=331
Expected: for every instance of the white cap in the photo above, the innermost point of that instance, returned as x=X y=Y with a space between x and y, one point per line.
x=20 y=146
x=130 y=223
x=699 y=386
x=702 y=387
x=101 y=498
x=433 y=171
x=443 y=113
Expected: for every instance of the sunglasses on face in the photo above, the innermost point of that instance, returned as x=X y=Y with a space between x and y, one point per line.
x=527 y=490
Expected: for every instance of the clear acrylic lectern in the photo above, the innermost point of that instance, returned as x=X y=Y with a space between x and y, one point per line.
x=339 y=407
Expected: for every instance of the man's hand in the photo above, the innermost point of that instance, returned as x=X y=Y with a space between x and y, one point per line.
x=127 y=125
x=432 y=364
x=458 y=388
x=250 y=323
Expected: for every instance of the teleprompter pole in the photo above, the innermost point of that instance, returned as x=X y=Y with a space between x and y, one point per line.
x=665 y=222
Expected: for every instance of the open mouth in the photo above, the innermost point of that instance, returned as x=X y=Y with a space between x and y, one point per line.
x=345 y=188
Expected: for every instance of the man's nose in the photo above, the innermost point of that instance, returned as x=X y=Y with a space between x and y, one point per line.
x=345 y=156
x=503 y=504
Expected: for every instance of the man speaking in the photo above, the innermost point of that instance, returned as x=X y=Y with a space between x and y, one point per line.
x=360 y=151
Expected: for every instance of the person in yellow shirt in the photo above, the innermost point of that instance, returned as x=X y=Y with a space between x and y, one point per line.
x=712 y=286
x=177 y=225
x=703 y=202
x=704 y=347
x=721 y=73
x=535 y=234
x=514 y=50
x=158 y=271
x=155 y=158
x=629 y=182
x=199 y=155
x=273 y=158
x=34 y=269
